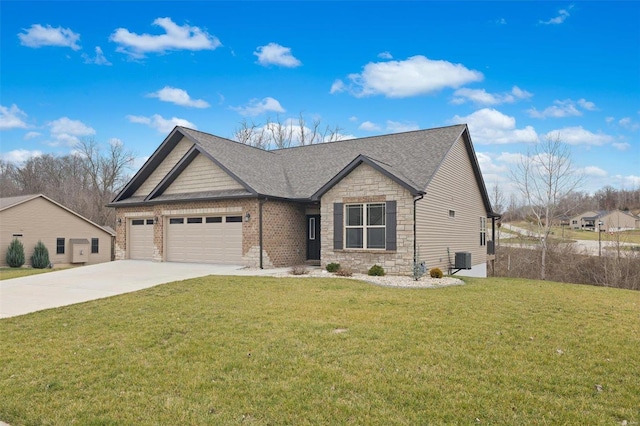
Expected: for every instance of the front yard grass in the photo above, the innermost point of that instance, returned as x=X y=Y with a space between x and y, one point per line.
x=255 y=350
x=8 y=273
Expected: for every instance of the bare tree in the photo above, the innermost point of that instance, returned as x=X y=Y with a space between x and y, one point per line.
x=278 y=133
x=107 y=172
x=497 y=198
x=544 y=177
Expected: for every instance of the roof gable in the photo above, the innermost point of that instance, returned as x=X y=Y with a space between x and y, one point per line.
x=7 y=203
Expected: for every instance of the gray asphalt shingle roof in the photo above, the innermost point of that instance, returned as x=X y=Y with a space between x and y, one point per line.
x=299 y=172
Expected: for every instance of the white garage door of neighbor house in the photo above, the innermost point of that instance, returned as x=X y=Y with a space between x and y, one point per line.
x=141 y=239
x=205 y=239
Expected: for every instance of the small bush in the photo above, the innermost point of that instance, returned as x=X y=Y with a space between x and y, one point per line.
x=40 y=258
x=344 y=272
x=15 y=254
x=435 y=273
x=333 y=267
x=376 y=271
x=299 y=270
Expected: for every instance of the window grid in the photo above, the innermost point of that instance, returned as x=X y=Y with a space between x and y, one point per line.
x=483 y=231
x=59 y=245
x=365 y=226
x=95 y=245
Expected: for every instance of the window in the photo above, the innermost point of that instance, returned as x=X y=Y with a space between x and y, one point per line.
x=59 y=245
x=483 y=231
x=149 y=221
x=574 y=222
x=194 y=220
x=230 y=219
x=365 y=226
x=215 y=219
x=176 y=220
x=95 y=245
x=136 y=222
x=452 y=213
x=312 y=228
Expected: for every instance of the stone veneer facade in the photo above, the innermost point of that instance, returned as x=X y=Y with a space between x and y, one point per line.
x=284 y=238
x=365 y=184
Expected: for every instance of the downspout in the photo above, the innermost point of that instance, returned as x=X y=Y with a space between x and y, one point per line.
x=415 y=239
x=260 y=204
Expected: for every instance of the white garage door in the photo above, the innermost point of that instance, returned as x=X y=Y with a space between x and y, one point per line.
x=205 y=239
x=141 y=239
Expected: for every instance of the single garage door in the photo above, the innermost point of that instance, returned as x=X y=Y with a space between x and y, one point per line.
x=141 y=239
x=205 y=239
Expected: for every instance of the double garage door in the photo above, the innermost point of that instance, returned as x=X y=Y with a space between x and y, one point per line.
x=195 y=239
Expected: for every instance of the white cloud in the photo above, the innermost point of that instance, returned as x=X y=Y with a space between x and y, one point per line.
x=353 y=118
x=414 y=76
x=630 y=181
x=38 y=36
x=609 y=120
x=385 y=55
x=593 y=171
x=337 y=87
x=579 y=136
x=274 y=54
x=398 y=127
x=31 y=135
x=161 y=124
x=629 y=124
x=19 y=155
x=368 y=126
x=488 y=166
x=66 y=131
x=621 y=146
x=99 y=59
x=482 y=97
x=176 y=37
x=501 y=21
x=12 y=118
x=565 y=108
x=257 y=107
x=178 y=97
x=491 y=127
x=563 y=14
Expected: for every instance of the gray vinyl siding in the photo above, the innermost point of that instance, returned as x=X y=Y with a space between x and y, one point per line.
x=164 y=168
x=39 y=219
x=453 y=187
x=202 y=175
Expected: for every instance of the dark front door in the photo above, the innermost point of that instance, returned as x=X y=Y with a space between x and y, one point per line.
x=313 y=237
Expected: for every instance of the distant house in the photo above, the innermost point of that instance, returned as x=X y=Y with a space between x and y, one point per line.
x=383 y=200
x=614 y=220
x=69 y=237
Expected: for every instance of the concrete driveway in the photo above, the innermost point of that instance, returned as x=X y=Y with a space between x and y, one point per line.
x=19 y=296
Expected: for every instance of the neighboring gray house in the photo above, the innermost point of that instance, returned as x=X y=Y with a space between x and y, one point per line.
x=383 y=200
x=69 y=237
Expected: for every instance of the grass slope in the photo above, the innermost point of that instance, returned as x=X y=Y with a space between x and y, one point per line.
x=8 y=273
x=231 y=350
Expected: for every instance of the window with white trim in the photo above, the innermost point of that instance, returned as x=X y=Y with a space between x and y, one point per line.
x=483 y=231
x=365 y=226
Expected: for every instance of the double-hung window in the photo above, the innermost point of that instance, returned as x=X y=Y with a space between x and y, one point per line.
x=365 y=226
x=483 y=231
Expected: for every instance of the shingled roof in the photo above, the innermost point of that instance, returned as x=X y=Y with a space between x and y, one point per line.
x=305 y=172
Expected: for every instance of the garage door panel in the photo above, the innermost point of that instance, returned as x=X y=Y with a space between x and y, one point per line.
x=210 y=240
x=141 y=239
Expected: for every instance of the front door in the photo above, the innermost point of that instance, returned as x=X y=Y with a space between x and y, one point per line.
x=313 y=237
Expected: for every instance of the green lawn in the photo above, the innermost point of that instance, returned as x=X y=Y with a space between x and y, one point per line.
x=268 y=351
x=8 y=273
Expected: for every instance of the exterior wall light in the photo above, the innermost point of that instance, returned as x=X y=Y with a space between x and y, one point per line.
x=119 y=221
x=247 y=217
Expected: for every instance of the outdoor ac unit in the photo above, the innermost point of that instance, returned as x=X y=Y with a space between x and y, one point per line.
x=463 y=260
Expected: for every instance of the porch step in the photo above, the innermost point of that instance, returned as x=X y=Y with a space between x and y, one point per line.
x=313 y=262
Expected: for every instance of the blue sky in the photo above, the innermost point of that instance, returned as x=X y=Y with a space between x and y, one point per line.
x=516 y=72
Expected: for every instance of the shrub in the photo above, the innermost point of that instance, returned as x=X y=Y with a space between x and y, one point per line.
x=344 y=272
x=299 y=270
x=40 y=258
x=376 y=271
x=435 y=273
x=15 y=254
x=333 y=267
